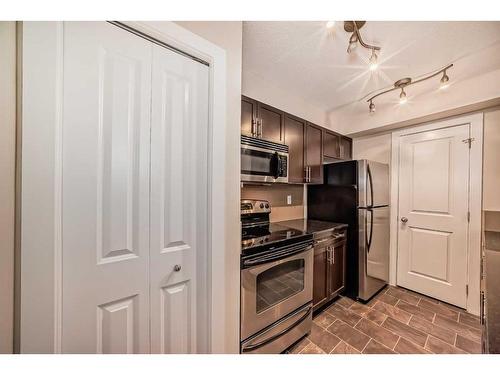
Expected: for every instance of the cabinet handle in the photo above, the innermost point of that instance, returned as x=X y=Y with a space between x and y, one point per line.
x=305 y=174
x=253 y=128
x=259 y=128
x=308 y=174
x=333 y=255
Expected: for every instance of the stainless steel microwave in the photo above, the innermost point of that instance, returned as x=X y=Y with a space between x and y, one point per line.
x=263 y=161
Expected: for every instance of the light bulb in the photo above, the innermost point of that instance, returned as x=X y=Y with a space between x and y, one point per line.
x=444 y=81
x=373 y=61
x=330 y=24
x=353 y=41
x=372 y=107
x=402 y=97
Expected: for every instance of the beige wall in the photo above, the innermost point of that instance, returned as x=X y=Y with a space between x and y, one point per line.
x=277 y=197
x=257 y=88
x=376 y=148
x=228 y=35
x=491 y=161
x=7 y=181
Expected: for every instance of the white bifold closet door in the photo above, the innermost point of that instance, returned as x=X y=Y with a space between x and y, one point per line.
x=179 y=198
x=134 y=188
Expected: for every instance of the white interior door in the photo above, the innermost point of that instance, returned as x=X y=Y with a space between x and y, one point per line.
x=105 y=187
x=179 y=203
x=433 y=206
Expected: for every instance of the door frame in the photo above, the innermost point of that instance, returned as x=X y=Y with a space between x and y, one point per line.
x=39 y=312
x=475 y=200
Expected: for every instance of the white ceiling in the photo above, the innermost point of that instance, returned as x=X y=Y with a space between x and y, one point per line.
x=307 y=60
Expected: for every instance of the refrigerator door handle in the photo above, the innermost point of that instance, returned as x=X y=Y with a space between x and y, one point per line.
x=370 y=182
x=368 y=238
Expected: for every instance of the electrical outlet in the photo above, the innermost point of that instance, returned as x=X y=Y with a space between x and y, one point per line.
x=288 y=199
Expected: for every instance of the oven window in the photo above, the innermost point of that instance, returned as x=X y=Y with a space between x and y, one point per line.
x=279 y=283
x=256 y=162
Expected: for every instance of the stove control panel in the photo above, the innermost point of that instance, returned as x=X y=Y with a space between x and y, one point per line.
x=254 y=206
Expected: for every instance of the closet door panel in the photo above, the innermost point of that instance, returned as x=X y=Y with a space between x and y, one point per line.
x=179 y=164
x=105 y=189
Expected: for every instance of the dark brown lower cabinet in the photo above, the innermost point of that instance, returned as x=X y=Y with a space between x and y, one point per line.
x=329 y=270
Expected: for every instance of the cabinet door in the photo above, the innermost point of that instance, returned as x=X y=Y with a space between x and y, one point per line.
x=346 y=148
x=314 y=153
x=248 y=115
x=271 y=122
x=331 y=144
x=320 y=281
x=294 y=138
x=336 y=274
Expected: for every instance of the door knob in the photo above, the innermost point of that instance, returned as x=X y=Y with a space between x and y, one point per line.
x=177 y=268
x=404 y=219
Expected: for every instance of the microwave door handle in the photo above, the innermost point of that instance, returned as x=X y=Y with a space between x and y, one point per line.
x=275 y=165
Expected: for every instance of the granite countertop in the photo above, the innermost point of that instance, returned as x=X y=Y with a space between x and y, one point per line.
x=312 y=226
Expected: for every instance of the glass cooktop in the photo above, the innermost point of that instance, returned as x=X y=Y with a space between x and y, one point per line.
x=268 y=234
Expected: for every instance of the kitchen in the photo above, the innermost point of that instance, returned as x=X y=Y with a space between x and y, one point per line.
x=251 y=187
x=303 y=184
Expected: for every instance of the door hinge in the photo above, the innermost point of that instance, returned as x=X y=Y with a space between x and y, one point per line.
x=468 y=216
x=468 y=141
x=467 y=290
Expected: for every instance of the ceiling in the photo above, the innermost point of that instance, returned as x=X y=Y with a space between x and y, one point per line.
x=310 y=61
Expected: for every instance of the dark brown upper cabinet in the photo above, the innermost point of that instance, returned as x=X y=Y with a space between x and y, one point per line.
x=261 y=120
x=248 y=116
x=270 y=122
x=331 y=145
x=310 y=146
x=314 y=154
x=294 y=129
x=346 y=148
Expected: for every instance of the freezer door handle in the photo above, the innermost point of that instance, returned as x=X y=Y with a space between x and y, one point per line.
x=370 y=182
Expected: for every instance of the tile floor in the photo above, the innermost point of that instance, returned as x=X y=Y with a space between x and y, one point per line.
x=394 y=321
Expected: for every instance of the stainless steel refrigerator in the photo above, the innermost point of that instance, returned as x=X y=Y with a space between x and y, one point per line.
x=356 y=192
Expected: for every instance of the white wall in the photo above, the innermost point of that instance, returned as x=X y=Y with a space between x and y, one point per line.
x=491 y=161
x=228 y=35
x=7 y=181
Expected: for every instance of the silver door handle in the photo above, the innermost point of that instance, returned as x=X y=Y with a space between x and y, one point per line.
x=253 y=128
x=259 y=128
x=404 y=219
x=177 y=267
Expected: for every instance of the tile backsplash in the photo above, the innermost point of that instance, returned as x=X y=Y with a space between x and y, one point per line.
x=277 y=196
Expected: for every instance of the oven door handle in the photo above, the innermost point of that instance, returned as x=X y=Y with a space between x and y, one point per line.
x=252 y=347
x=276 y=256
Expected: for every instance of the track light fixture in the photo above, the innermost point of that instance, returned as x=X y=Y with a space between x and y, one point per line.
x=405 y=82
x=353 y=27
x=372 y=107
x=444 y=81
x=402 y=96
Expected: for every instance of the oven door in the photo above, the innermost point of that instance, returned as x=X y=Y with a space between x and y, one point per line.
x=271 y=290
x=263 y=165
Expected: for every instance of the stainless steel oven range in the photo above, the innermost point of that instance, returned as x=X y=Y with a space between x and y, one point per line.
x=276 y=282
